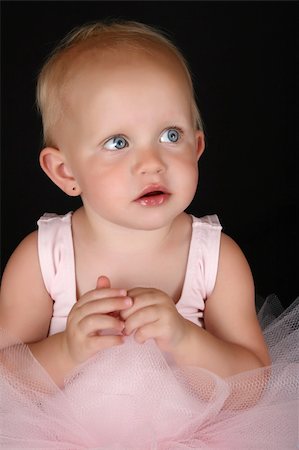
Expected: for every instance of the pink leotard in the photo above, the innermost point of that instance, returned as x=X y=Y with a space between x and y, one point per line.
x=56 y=254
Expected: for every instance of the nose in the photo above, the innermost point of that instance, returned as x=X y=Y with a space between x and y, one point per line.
x=148 y=161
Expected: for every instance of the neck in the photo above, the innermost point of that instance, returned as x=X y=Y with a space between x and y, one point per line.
x=113 y=237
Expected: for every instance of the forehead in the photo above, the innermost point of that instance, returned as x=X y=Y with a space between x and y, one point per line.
x=122 y=66
x=86 y=52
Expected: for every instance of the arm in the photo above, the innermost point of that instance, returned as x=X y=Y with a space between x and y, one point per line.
x=26 y=311
x=232 y=340
x=26 y=308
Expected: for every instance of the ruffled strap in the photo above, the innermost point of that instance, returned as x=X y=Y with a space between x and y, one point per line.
x=56 y=255
x=202 y=267
x=207 y=233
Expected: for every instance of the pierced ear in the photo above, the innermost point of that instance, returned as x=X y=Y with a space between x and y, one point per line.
x=200 y=143
x=53 y=163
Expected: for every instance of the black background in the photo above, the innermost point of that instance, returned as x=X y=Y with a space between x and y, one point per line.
x=243 y=57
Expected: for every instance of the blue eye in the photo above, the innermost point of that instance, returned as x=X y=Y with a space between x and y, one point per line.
x=116 y=143
x=170 y=135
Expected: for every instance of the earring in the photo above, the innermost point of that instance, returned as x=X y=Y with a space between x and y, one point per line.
x=74 y=191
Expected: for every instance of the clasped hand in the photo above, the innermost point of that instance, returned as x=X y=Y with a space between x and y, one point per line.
x=153 y=315
x=146 y=312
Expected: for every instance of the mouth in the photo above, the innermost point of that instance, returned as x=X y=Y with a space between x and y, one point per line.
x=153 y=196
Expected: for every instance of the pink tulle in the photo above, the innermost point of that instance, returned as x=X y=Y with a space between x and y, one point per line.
x=131 y=397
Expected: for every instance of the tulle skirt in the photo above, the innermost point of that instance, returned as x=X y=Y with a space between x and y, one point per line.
x=132 y=398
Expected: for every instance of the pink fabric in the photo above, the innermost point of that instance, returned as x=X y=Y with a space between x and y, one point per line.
x=129 y=398
x=56 y=254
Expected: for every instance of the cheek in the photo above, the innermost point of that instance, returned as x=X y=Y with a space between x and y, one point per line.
x=100 y=179
x=193 y=181
x=188 y=168
x=191 y=177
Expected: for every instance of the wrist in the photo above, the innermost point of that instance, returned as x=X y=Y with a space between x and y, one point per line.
x=185 y=352
x=67 y=360
x=53 y=355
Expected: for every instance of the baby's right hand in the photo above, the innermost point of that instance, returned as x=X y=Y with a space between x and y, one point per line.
x=90 y=316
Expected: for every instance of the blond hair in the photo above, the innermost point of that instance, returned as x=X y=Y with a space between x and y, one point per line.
x=107 y=35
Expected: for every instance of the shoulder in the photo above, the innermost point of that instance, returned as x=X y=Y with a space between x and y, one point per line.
x=230 y=250
x=27 y=249
x=234 y=279
x=23 y=294
x=232 y=261
x=220 y=249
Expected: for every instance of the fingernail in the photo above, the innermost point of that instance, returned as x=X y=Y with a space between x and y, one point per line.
x=128 y=301
x=122 y=292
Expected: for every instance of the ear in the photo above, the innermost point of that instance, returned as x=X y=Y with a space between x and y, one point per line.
x=200 y=143
x=53 y=163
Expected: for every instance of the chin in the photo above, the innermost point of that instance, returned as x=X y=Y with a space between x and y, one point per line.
x=153 y=220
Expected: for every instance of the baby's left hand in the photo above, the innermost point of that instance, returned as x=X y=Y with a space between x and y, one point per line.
x=154 y=315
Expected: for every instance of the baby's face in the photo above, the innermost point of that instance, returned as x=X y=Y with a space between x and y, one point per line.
x=128 y=129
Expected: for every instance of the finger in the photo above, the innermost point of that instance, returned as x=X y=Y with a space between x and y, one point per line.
x=95 y=344
x=141 y=290
x=98 y=294
x=103 y=282
x=103 y=306
x=140 y=301
x=141 y=318
x=95 y=323
x=148 y=331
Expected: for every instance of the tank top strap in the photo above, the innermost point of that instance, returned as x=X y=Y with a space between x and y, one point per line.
x=56 y=256
x=205 y=249
x=201 y=268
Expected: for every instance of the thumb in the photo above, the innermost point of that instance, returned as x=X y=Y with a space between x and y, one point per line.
x=103 y=282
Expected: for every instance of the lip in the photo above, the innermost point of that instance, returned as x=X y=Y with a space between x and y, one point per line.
x=152 y=188
x=154 y=200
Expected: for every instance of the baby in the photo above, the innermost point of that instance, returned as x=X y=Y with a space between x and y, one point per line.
x=122 y=130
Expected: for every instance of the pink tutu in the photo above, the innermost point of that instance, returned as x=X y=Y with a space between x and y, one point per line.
x=132 y=397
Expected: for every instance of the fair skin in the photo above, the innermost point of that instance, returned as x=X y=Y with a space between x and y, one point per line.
x=114 y=145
